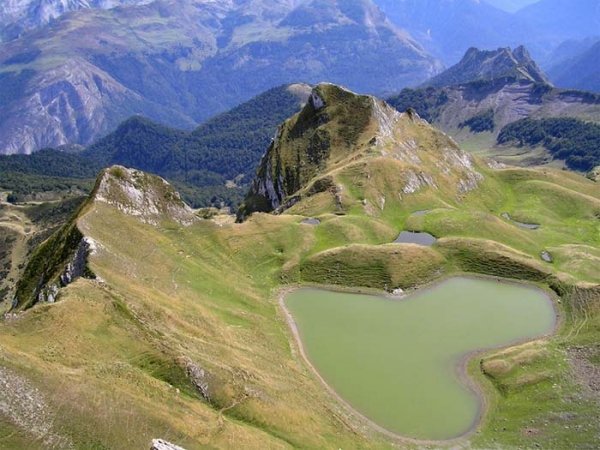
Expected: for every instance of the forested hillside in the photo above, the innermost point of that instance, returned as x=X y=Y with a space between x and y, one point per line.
x=212 y=165
x=572 y=140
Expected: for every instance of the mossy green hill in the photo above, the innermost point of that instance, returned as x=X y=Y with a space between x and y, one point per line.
x=180 y=335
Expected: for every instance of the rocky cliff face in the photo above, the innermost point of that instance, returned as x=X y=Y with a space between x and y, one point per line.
x=337 y=129
x=72 y=81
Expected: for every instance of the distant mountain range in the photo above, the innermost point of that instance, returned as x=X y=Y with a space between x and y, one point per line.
x=213 y=164
x=565 y=19
x=447 y=28
x=488 y=90
x=181 y=61
x=482 y=99
x=579 y=68
x=72 y=70
x=20 y=16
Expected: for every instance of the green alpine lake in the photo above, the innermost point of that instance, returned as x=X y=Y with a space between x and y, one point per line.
x=400 y=362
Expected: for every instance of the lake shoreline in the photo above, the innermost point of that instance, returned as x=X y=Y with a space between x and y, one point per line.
x=462 y=366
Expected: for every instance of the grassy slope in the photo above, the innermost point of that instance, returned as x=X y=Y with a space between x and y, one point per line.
x=116 y=359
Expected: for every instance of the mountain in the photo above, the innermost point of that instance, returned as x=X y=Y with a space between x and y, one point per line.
x=447 y=28
x=478 y=65
x=567 y=50
x=580 y=72
x=337 y=126
x=176 y=322
x=20 y=16
x=211 y=165
x=474 y=100
x=179 y=62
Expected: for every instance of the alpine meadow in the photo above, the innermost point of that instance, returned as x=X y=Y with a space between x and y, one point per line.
x=312 y=224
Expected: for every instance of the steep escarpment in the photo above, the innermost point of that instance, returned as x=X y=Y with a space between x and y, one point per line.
x=337 y=132
x=327 y=130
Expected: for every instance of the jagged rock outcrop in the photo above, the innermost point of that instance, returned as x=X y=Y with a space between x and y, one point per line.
x=338 y=127
x=149 y=198
x=161 y=444
x=504 y=63
x=199 y=377
x=488 y=90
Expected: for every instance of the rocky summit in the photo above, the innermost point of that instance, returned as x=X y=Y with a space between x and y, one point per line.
x=504 y=63
x=338 y=129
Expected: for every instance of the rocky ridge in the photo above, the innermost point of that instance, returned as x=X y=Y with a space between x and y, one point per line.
x=490 y=89
x=63 y=258
x=148 y=198
x=504 y=63
x=338 y=128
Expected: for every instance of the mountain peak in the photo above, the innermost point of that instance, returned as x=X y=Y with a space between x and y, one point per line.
x=147 y=197
x=338 y=129
x=503 y=63
x=64 y=256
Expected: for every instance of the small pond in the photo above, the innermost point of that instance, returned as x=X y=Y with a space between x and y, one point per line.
x=400 y=363
x=311 y=221
x=528 y=226
x=413 y=237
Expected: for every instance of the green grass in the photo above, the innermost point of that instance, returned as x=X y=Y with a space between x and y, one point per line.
x=207 y=294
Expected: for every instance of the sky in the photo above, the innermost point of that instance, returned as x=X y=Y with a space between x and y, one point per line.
x=511 y=5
